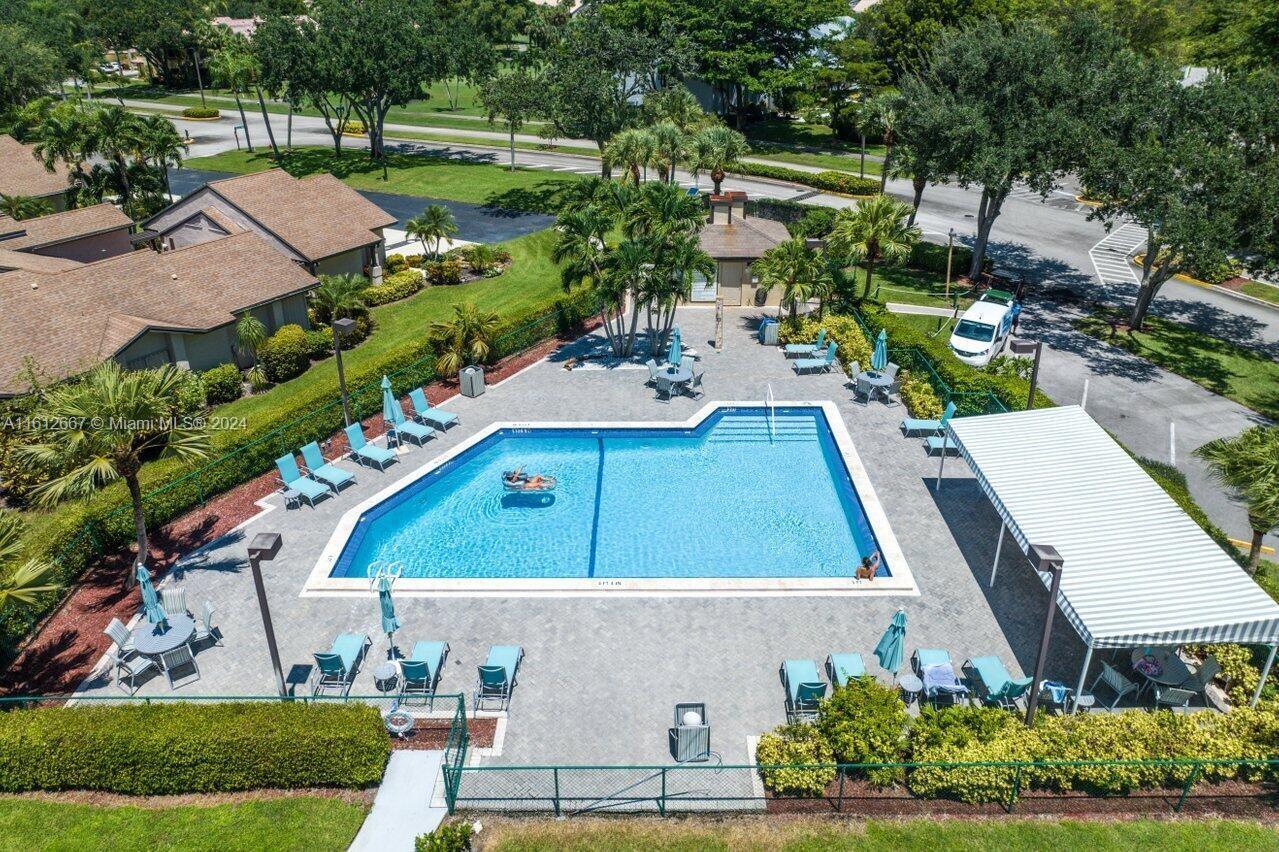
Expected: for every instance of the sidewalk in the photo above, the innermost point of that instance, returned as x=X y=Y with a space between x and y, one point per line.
x=402 y=809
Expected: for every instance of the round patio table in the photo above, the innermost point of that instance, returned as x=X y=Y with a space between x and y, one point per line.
x=151 y=640
x=911 y=686
x=678 y=375
x=1172 y=671
x=384 y=676
x=876 y=380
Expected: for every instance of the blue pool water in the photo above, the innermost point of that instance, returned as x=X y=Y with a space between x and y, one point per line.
x=730 y=498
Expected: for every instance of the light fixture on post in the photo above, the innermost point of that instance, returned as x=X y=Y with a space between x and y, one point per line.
x=342 y=326
x=1046 y=560
x=1026 y=349
x=263 y=548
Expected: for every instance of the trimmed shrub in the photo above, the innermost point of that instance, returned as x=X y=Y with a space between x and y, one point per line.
x=319 y=343
x=192 y=400
x=815 y=224
x=454 y=837
x=201 y=112
x=841 y=328
x=443 y=273
x=171 y=748
x=396 y=263
x=284 y=354
x=399 y=285
x=354 y=127
x=223 y=384
x=865 y=722
x=920 y=399
x=931 y=257
x=828 y=181
x=792 y=744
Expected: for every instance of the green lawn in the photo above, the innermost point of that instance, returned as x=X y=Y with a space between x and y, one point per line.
x=1260 y=290
x=1248 y=377
x=1014 y=835
x=798 y=134
x=913 y=287
x=303 y=823
x=436 y=177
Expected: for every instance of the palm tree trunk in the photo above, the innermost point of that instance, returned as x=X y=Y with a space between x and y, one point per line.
x=244 y=122
x=919 y=182
x=266 y=118
x=870 y=274
x=139 y=526
x=1254 y=553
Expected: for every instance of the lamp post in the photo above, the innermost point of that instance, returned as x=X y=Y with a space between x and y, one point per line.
x=1046 y=560
x=263 y=548
x=342 y=326
x=950 y=256
x=1025 y=348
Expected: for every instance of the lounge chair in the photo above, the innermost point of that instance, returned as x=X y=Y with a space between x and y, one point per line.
x=822 y=364
x=337 y=667
x=651 y=363
x=926 y=426
x=419 y=432
x=1118 y=684
x=799 y=350
x=935 y=669
x=322 y=471
x=842 y=668
x=496 y=677
x=924 y=657
x=204 y=629
x=293 y=480
x=363 y=451
x=120 y=635
x=804 y=689
x=938 y=443
x=998 y=687
x=436 y=417
x=127 y=671
x=420 y=671
x=174 y=600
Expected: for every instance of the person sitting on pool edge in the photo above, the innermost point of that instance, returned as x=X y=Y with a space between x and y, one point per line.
x=870 y=564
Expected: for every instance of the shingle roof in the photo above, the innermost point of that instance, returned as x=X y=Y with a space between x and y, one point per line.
x=745 y=238
x=60 y=227
x=35 y=262
x=22 y=174
x=72 y=320
x=319 y=216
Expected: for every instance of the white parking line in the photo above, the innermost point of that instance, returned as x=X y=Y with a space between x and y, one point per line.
x=1110 y=255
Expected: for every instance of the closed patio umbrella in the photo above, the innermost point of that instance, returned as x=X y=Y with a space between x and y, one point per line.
x=673 y=357
x=892 y=644
x=150 y=600
x=879 y=358
x=390 y=623
x=391 y=413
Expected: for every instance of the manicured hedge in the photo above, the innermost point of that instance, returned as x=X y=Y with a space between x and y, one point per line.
x=284 y=355
x=828 y=181
x=223 y=384
x=201 y=112
x=443 y=273
x=181 y=747
x=396 y=286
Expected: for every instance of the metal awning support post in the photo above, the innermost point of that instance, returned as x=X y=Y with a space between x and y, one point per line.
x=1265 y=672
x=1083 y=674
x=999 y=548
x=945 y=437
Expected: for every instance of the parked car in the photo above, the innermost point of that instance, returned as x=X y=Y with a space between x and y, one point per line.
x=983 y=330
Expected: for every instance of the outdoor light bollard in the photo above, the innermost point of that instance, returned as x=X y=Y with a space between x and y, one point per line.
x=1046 y=559
x=263 y=548
x=342 y=326
x=1023 y=348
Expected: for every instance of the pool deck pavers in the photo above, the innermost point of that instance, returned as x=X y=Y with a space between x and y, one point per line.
x=602 y=674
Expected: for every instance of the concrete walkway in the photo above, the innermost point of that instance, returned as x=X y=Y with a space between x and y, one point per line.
x=402 y=809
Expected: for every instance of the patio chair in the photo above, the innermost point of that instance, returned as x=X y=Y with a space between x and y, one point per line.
x=420 y=671
x=496 y=678
x=822 y=364
x=127 y=671
x=1118 y=684
x=366 y=453
x=420 y=433
x=337 y=667
x=695 y=385
x=174 y=600
x=843 y=668
x=665 y=388
x=436 y=417
x=804 y=689
x=293 y=480
x=651 y=363
x=924 y=657
x=120 y=635
x=1203 y=676
x=998 y=687
x=799 y=350
x=1172 y=697
x=927 y=426
x=204 y=629
x=322 y=471
x=177 y=659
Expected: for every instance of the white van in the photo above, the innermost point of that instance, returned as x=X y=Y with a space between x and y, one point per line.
x=983 y=330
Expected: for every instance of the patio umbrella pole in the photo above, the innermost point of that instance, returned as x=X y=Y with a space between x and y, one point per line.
x=1265 y=672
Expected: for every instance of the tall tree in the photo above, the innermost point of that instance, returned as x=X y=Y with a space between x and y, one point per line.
x=232 y=68
x=629 y=150
x=160 y=144
x=800 y=272
x=1248 y=464
x=716 y=150
x=872 y=232
x=580 y=251
x=160 y=30
x=515 y=97
x=27 y=68
x=295 y=65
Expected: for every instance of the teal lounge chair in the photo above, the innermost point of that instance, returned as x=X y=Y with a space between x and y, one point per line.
x=419 y=432
x=420 y=672
x=822 y=364
x=843 y=668
x=436 y=417
x=925 y=657
x=363 y=451
x=998 y=687
x=336 y=669
x=322 y=471
x=293 y=480
x=496 y=678
x=804 y=689
x=936 y=443
x=798 y=350
x=929 y=427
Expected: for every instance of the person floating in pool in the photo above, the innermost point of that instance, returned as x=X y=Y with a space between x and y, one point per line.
x=870 y=565
x=518 y=480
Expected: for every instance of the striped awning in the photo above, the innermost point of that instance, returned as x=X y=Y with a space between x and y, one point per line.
x=1138 y=570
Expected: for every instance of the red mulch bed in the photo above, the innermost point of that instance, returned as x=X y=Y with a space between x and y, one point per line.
x=433 y=733
x=63 y=649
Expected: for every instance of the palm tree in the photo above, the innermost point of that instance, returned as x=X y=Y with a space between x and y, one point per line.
x=338 y=296
x=580 y=253
x=875 y=230
x=717 y=149
x=161 y=145
x=679 y=260
x=669 y=148
x=434 y=224
x=232 y=69
x=1249 y=465
x=21 y=584
x=250 y=334
x=883 y=114
x=798 y=270
x=629 y=149
x=24 y=206
x=105 y=428
x=660 y=211
x=627 y=270
x=465 y=340
x=63 y=137
x=115 y=134
x=96 y=183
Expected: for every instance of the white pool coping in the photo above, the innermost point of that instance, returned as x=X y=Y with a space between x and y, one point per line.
x=902 y=581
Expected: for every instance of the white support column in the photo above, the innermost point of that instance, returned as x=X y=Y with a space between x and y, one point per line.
x=945 y=437
x=999 y=548
x=1265 y=672
x=1083 y=674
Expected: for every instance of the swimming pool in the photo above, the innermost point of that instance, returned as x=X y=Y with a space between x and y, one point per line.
x=742 y=494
